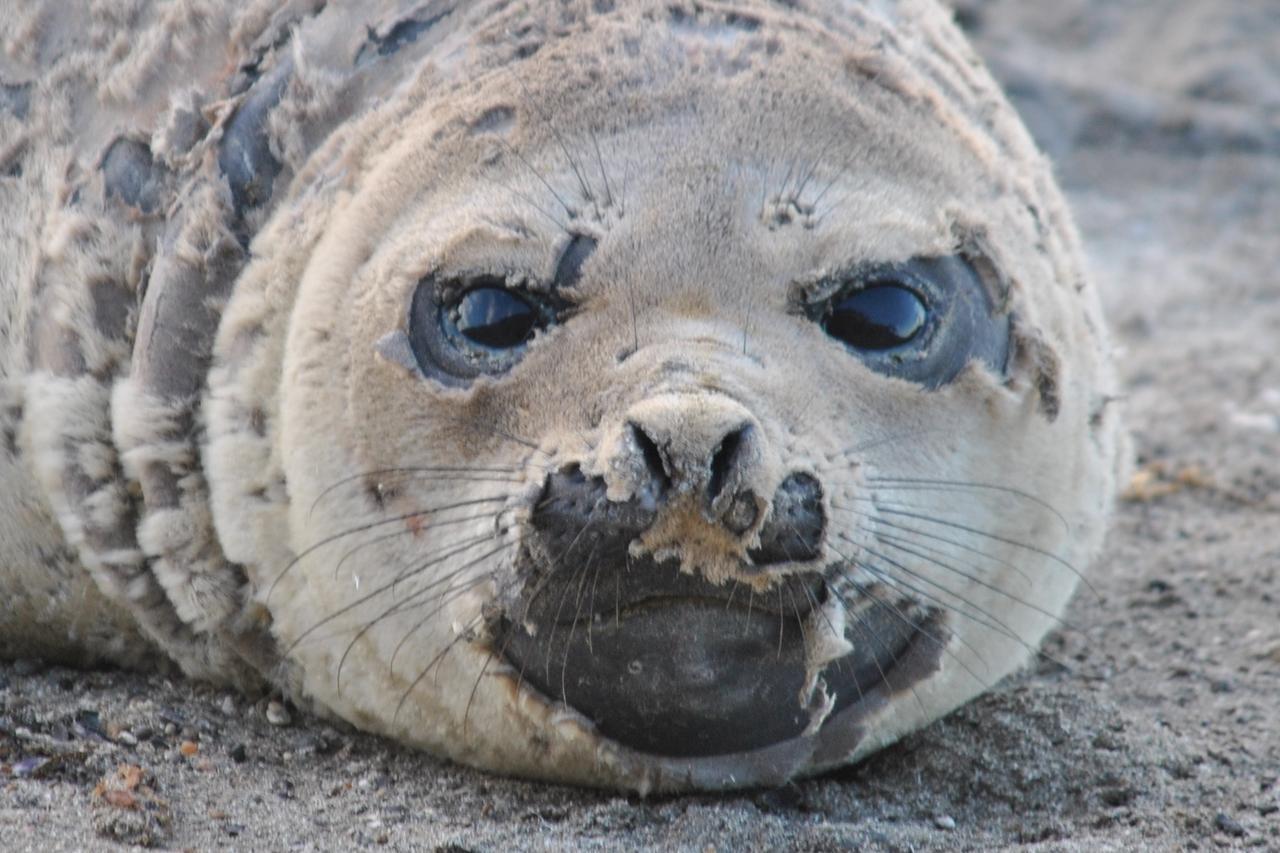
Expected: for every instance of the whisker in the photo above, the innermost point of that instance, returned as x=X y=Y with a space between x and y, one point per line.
x=475 y=686
x=441 y=601
x=604 y=175
x=923 y=484
x=897 y=614
x=826 y=189
x=541 y=179
x=364 y=599
x=440 y=656
x=591 y=607
x=415 y=471
x=384 y=537
x=889 y=439
x=580 y=569
x=781 y=622
x=492 y=430
x=529 y=200
x=895 y=542
x=895 y=582
x=994 y=537
x=816 y=607
x=994 y=624
x=447 y=597
x=795 y=609
x=555 y=132
x=884 y=522
x=813 y=168
x=373 y=525
x=577 y=612
x=786 y=178
x=548 y=575
x=622 y=195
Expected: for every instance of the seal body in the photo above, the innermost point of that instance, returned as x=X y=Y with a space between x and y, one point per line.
x=654 y=396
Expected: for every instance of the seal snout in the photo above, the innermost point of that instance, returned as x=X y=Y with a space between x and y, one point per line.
x=680 y=616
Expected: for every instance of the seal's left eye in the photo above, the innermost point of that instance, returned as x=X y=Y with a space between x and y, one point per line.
x=923 y=320
x=878 y=317
x=495 y=318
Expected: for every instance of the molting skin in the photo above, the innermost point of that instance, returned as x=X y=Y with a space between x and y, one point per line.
x=649 y=396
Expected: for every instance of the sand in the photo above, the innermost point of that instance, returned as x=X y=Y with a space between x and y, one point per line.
x=1155 y=722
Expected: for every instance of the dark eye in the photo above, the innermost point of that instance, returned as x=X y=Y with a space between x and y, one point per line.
x=879 y=317
x=464 y=328
x=924 y=320
x=495 y=318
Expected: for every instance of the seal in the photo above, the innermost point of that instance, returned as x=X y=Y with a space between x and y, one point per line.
x=656 y=396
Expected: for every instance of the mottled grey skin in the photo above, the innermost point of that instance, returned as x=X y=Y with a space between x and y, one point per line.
x=220 y=448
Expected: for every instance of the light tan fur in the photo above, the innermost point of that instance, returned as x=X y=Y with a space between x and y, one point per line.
x=722 y=154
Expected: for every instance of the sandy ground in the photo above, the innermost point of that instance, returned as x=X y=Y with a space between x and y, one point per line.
x=1157 y=724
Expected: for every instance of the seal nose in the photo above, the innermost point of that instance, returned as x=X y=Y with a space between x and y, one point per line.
x=692 y=446
x=660 y=466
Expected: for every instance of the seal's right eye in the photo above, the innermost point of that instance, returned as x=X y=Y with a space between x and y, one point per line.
x=462 y=328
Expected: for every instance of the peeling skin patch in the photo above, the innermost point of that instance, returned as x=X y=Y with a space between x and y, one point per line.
x=15 y=98
x=724 y=29
x=245 y=156
x=9 y=429
x=497 y=120
x=131 y=175
x=401 y=33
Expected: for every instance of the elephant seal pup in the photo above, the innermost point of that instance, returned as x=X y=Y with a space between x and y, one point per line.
x=658 y=396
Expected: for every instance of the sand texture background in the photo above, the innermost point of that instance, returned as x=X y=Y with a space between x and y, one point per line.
x=1157 y=725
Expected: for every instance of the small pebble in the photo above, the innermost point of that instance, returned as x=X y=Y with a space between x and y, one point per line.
x=89 y=722
x=239 y=754
x=189 y=748
x=28 y=767
x=277 y=714
x=228 y=706
x=126 y=738
x=944 y=821
x=1226 y=823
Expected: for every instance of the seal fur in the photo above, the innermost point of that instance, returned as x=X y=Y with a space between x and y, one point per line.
x=221 y=448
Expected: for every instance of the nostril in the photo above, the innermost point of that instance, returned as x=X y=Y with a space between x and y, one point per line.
x=796 y=525
x=722 y=461
x=652 y=456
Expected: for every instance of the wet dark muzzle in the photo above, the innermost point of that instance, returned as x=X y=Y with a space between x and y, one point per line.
x=667 y=663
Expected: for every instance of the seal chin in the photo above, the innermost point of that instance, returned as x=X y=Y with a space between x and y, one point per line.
x=667 y=664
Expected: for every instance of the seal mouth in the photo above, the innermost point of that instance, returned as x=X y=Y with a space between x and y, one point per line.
x=666 y=663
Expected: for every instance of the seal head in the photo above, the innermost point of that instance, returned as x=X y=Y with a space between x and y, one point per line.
x=687 y=424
